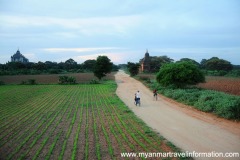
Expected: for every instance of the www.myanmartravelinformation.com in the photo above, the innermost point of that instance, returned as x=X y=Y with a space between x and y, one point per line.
x=192 y=154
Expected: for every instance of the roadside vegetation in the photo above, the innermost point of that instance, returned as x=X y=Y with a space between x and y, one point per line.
x=82 y=121
x=219 y=103
x=184 y=80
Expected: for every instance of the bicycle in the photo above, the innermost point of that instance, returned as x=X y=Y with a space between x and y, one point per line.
x=155 y=97
x=137 y=102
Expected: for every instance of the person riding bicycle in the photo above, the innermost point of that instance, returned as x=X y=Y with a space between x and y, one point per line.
x=135 y=99
x=155 y=93
x=138 y=98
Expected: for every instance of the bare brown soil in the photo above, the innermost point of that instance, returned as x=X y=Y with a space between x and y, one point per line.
x=223 y=84
x=51 y=78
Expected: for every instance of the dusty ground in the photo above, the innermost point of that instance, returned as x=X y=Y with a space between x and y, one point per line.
x=50 y=78
x=187 y=128
x=223 y=84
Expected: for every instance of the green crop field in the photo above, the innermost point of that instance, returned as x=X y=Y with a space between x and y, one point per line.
x=71 y=122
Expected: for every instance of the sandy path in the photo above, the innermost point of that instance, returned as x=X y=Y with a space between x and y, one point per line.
x=188 y=129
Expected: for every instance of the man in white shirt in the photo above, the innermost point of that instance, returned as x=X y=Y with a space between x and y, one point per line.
x=138 y=98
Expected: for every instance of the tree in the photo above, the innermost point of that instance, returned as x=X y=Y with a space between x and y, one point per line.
x=89 y=65
x=15 y=65
x=203 y=63
x=40 y=66
x=102 y=67
x=215 y=63
x=189 y=60
x=133 y=68
x=115 y=68
x=70 y=64
x=157 y=61
x=179 y=74
x=51 y=65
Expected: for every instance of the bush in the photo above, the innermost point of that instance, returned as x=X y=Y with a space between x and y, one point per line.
x=229 y=108
x=234 y=73
x=2 y=83
x=145 y=79
x=206 y=102
x=179 y=74
x=94 y=81
x=32 y=81
x=29 y=82
x=67 y=80
x=63 y=79
x=71 y=80
x=23 y=83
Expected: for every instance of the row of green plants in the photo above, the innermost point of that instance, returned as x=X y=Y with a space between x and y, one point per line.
x=218 y=103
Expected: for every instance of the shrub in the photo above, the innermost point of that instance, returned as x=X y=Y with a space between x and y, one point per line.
x=2 y=83
x=67 y=80
x=63 y=79
x=229 y=108
x=29 y=82
x=234 y=73
x=32 y=82
x=179 y=74
x=71 y=80
x=145 y=79
x=23 y=82
x=94 y=81
x=205 y=103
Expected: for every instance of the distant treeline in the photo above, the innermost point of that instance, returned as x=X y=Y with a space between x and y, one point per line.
x=48 y=67
x=212 y=67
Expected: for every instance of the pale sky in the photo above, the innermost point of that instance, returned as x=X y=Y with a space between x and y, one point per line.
x=56 y=30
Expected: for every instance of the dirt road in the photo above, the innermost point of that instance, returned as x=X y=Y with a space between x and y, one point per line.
x=187 y=128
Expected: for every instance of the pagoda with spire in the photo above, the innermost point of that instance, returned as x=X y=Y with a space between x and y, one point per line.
x=18 y=57
x=145 y=63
